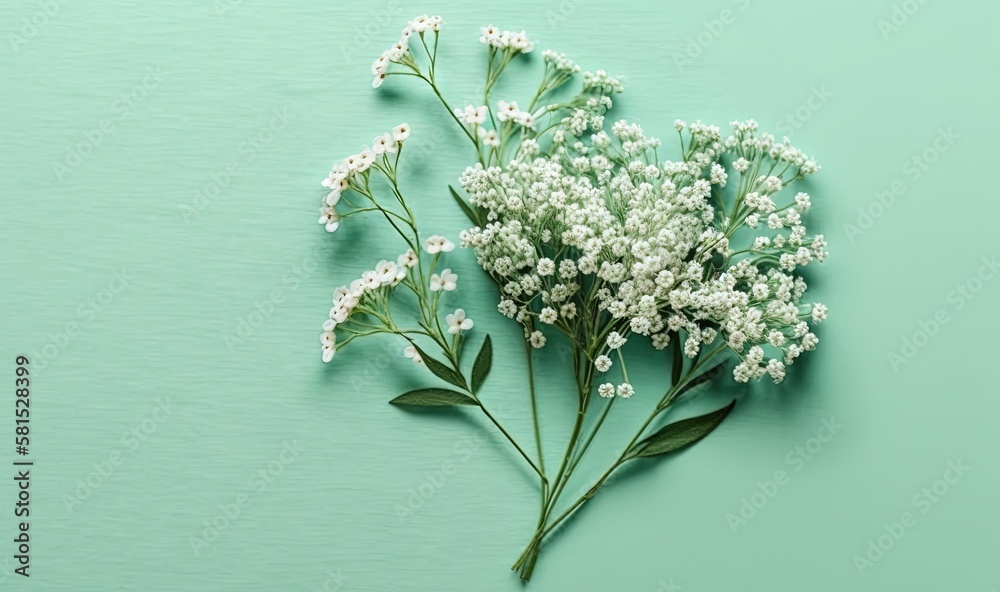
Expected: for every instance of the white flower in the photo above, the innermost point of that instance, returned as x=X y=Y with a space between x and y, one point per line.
x=370 y=280
x=446 y=281
x=329 y=341
x=378 y=80
x=490 y=36
x=491 y=138
x=537 y=339
x=329 y=218
x=457 y=322
x=473 y=115
x=400 y=133
x=660 y=340
x=438 y=244
x=365 y=159
x=408 y=259
x=548 y=315
x=381 y=65
x=777 y=370
x=625 y=390
x=809 y=342
x=396 y=52
x=568 y=311
x=602 y=363
x=421 y=24
x=615 y=340
x=328 y=353
x=525 y=119
x=546 y=267
x=412 y=353
x=383 y=144
x=507 y=308
x=606 y=390
x=507 y=111
x=386 y=272
x=819 y=312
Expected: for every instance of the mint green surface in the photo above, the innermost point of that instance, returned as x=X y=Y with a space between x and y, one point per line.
x=169 y=285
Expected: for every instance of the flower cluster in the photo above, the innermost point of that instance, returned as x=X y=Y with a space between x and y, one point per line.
x=506 y=40
x=364 y=307
x=599 y=223
x=344 y=172
x=363 y=294
x=399 y=53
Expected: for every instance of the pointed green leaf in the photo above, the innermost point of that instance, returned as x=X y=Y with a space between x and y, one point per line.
x=682 y=433
x=482 y=365
x=433 y=397
x=441 y=371
x=469 y=212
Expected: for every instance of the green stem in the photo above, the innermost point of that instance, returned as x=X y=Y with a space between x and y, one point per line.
x=511 y=439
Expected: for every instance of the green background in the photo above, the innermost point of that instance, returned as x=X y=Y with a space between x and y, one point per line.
x=215 y=310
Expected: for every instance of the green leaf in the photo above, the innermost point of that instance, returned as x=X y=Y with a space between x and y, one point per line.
x=675 y=371
x=482 y=365
x=706 y=376
x=441 y=371
x=682 y=433
x=469 y=212
x=433 y=397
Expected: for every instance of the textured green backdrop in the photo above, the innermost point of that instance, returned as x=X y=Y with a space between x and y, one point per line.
x=162 y=267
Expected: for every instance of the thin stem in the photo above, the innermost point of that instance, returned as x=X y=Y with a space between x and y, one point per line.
x=534 y=405
x=511 y=439
x=668 y=398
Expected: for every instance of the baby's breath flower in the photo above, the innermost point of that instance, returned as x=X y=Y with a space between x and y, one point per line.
x=457 y=322
x=446 y=281
x=329 y=218
x=615 y=340
x=537 y=339
x=438 y=244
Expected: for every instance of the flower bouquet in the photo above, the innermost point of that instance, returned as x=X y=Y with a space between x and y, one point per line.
x=593 y=237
